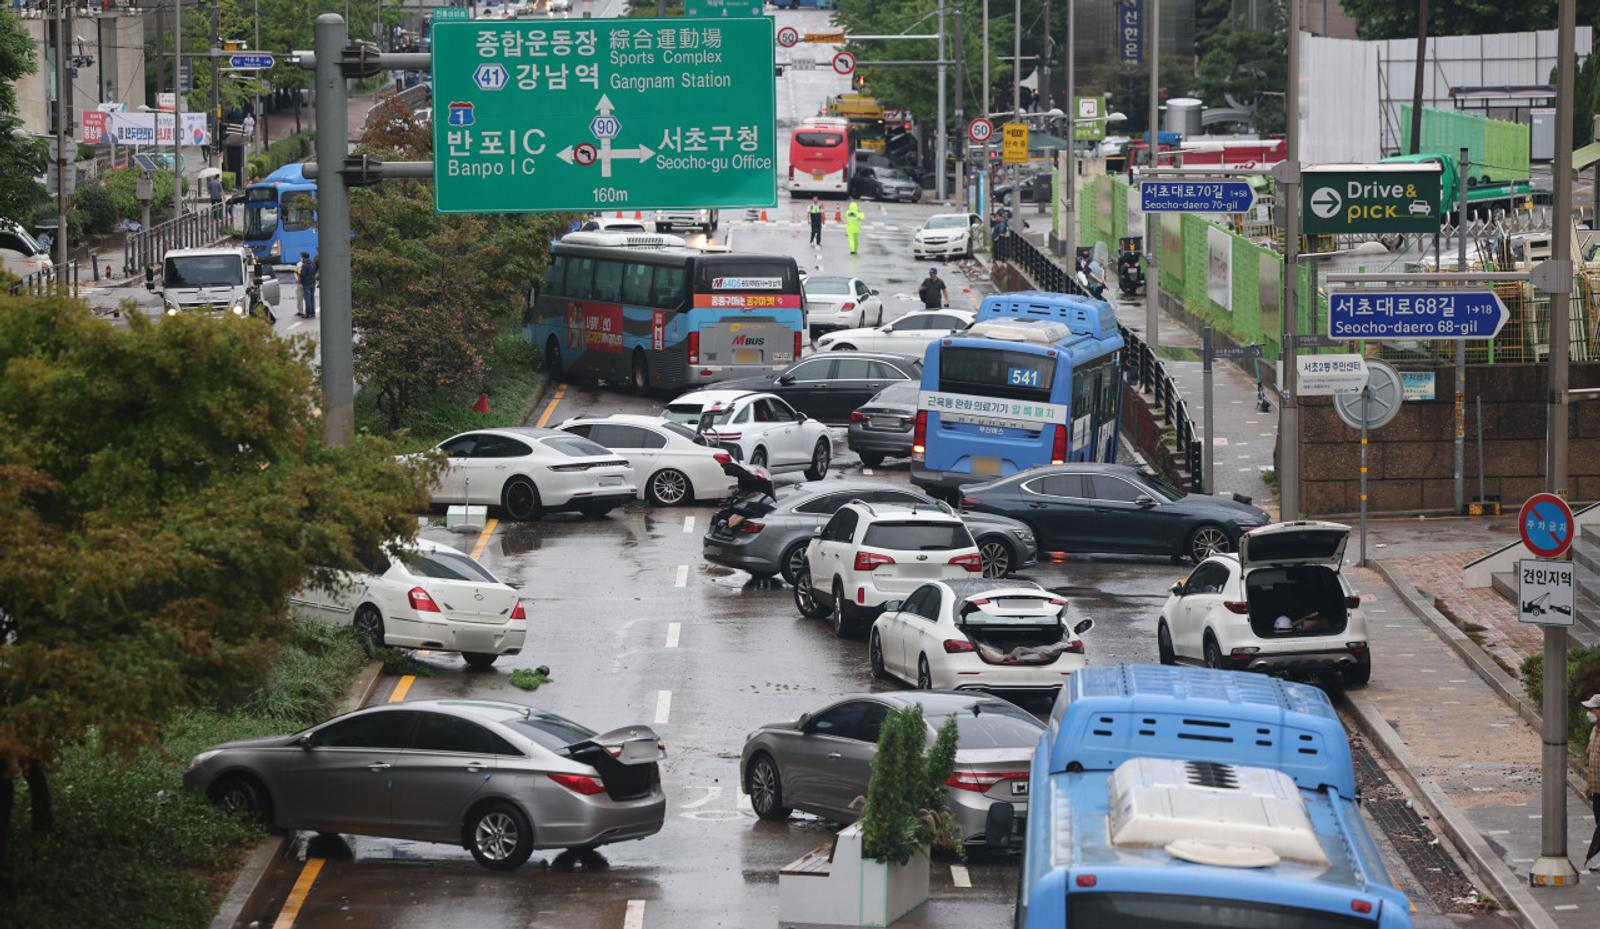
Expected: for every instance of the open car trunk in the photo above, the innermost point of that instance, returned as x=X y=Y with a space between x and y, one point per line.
x=755 y=498
x=624 y=758
x=1295 y=600
x=1016 y=630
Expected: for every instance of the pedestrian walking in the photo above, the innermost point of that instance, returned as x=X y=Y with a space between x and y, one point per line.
x=852 y=225
x=816 y=221
x=306 y=274
x=214 y=187
x=1592 y=707
x=933 y=292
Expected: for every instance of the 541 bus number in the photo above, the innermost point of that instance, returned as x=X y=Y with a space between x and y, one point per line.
x=1022 y=377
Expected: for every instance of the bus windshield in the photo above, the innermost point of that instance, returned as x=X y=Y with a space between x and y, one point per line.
x=204 y=271
x=260 y=212
x=996 y=372
x=1174 y=911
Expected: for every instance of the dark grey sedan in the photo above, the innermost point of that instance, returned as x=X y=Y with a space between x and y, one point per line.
x=498 y=779
x=883 y=426
x=1110 y=508
x=820 y=762
x=765 y=529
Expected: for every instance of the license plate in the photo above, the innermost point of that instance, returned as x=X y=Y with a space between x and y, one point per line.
x=712 y=549
x=816 y=175
x=986 y=465
x=886 y=422
x=747 y=356
x=1019 y=788
x=610 y=480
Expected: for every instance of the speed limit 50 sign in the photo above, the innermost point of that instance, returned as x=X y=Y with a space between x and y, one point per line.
x=980 y=130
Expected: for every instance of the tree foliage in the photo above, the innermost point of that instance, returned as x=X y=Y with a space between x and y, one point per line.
x=163 y=489
x=1248 y=67
x=22 y=158
x=906 y=807
x=1389 y=19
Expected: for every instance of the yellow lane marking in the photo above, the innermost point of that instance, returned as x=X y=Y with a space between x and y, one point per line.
x=550 y=408
x=483 y=538
x=402 y=687
x=297 y=895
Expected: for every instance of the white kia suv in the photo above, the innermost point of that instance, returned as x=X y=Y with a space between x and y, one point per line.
x=757 y=429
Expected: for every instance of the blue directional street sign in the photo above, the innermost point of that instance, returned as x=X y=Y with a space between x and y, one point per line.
x=251 y=61
x=1196 y=196
x=1398 y=315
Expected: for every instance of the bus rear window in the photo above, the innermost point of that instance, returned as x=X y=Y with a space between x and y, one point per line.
x=819 y=139
x=996 y=372
x=1173 y=911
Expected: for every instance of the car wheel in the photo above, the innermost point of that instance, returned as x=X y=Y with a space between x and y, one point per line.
x=1213 y=653
x=243 y=796
x=875 y=658
x=499 y=836
x=997 y=557
x=596 y=510
x=1164 y=652
x=641 y=372
x=758 y=458
x=869 y=460
x=924 y=676
x=805 y=597
x=552 y=359
x=369 y=622
x=1207 y=540
x=842 y=620
x=766 y=789
x=1359 y=674
x=520 y=500
x=821 y=457
x=842 y=347
x=479 y=661
x=793 y=563
x=669 y=487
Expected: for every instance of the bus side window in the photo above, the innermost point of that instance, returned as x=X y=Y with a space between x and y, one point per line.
x=553 y=275
x=668 y=290
x=577 y=283
x=636 y=284
x=608 y=281
x=1110 y=388
x=1082 y=393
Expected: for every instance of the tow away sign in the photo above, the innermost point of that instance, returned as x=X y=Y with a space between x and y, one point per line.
x=1544 y=592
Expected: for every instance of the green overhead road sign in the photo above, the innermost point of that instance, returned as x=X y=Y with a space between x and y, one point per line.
x=720 y=8
x=1369 y=199
x=601 y=114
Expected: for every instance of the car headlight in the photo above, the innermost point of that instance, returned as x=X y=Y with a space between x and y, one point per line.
x=238 y=307
x=277 y=249
x=1025 y=536
x=204 y=757
x=170 y=307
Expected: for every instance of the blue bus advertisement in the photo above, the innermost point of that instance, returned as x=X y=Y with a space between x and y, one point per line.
x=1191 y=797
x=1036 y=380
x=280 y=216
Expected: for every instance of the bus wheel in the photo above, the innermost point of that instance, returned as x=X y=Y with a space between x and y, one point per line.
x=641 y=372
x=552 y=359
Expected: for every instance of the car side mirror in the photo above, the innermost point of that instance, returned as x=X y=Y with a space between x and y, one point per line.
x=303 y=741
x=816 y=533
x=803 y=721
x=893 y=606
x=1083 y=626
x=786 y=379
x=1178 y=589
x=269 y=291
x=1144 y=502
x=872 y=292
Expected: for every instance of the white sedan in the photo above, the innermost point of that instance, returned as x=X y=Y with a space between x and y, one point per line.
x=946 y=235
x=977 y=635
x=430 y=596
x=908 y=335
x=528 y=472
x=675 y=464
x=841 y=303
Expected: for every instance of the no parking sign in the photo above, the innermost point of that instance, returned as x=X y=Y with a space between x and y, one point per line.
x=1546 y=525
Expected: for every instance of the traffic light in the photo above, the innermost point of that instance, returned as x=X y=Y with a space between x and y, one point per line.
x=858 y=81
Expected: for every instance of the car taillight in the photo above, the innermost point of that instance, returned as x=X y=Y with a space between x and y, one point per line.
x=1075 y=646
x=420 y=601
x=871 y=561
x=856 y=416
x=972 y=562
x=517 y=612
x=1058 y=447
x=968 y=503
x=799 y=343
x=791 y=171
x=848 y=306
x=1236 y=606
x=694 y=348
x=919 y=437
x=722 y=458
x=981 y=781
x=1085 y=880
x=751 y=527
x=579 y=783
x=957 y=646
x=1352 y=601
x=724 y=436
x=1361 y=906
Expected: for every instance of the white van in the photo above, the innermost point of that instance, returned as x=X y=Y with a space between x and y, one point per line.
x=20 y=253
x=214 y=280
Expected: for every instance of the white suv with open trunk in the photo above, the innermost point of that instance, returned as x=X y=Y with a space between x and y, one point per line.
x=1281 y=605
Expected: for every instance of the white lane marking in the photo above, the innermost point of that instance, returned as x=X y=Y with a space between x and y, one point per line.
x=867 y=471
x=663 y=706
x=713 y=791
x=959 y=876
x=672 y=634
x=683 y=576
x=688 y=524
x=741 y=802
x=1565 y=907
x=634 y=918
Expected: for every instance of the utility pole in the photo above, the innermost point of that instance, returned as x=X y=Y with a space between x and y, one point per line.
x=177 y=109
x=1152 y=287
x=1068 y=237
x=62 y=130
x=985 y=96
x=1416 y=86
x=1289 y=203
x=216 y=85
x=1042 y=104
x=161 y=50
x=1460 y=418
x=961 y=103
x=1553 y=869
x=261 y=115
x=941 y=149
x=1016 y=66
x=333 y=233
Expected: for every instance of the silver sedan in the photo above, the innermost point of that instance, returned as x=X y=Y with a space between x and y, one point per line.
x=498 y=779
x=820 y=762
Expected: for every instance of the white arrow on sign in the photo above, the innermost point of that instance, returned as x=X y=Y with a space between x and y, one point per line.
x=604 y=106
x=565 y=154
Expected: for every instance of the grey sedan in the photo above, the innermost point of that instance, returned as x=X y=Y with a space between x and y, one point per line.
x=765 y=529
x=498 y=779
x=820 y=762
x=883 y=426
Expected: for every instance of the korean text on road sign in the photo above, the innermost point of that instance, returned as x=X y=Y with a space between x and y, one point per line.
x=1546 y=525
x=1014 y=143
x=1196 y=196
x=1544 y=592
x=1369 y=313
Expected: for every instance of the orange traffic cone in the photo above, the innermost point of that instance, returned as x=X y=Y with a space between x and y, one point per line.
x=837 y=217
x=638 y=215
x=763 y=215
x=482 y=406
x=619 y=214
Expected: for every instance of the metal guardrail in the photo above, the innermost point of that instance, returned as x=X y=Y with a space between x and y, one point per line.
x=51 y=280
x=1142 y=369
x=191 y=230
x=1040 y=267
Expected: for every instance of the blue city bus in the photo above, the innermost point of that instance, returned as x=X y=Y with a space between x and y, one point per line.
x=280 y=216
x=629 y=309
x=1190 y=797
x=1036 y=380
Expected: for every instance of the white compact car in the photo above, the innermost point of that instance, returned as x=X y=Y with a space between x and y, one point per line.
x=946 y=235
x=974 y=635
x=704 y=220
x=528 y=472
x=1280 y=605
x=869 y=554
x=674 y=464
x=430 y=596
x=757 y=429
x=840 y=303
x=908 y=335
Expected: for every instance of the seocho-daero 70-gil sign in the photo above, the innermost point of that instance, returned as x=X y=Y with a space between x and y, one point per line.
x=593 y=114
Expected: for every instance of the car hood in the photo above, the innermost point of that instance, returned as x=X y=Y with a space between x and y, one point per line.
x=940 y=233
x=270 y=741
x=748 y=383
x=994 y=521
x=1225 y=506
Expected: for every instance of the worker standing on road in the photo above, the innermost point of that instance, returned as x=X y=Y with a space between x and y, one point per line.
x=816 y=221
x=852 y=225
x=934 y=294
x=1592 y=705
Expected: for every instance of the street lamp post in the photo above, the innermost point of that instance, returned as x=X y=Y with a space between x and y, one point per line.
x=1152 y=290
x=1067 y=235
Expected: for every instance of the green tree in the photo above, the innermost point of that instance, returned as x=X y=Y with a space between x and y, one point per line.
x=163 y=489
x=1249 y=67
x=906 y=806
x=1397 y=19
x=21 y=158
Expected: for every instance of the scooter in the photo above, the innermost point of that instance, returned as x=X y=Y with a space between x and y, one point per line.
x=1130 y=274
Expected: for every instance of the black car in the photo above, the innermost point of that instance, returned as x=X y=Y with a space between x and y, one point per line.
x=885 y=184
x=831 y=385
x=1115 y=509
x=882 y=427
